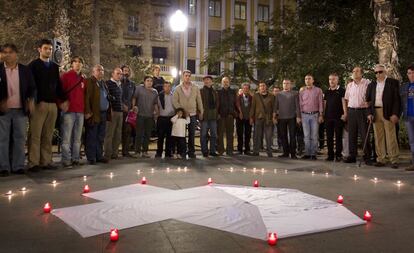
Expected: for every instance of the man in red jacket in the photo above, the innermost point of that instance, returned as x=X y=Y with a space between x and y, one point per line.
x=74 y=86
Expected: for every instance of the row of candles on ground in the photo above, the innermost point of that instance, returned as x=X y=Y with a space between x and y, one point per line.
x=272 y=237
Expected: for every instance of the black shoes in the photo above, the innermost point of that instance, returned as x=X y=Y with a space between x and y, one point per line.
x=50 y=167
x=379 y=164
x=306 y=157
x=394 y=166
x=329 y=159
x=91 y=162
x=312 y=157
x=350 y=160
x=293 y=156
x=192 y=155
x=283 y=156
x=205 y=155
x=18 y=172
x=35 y=168
x=213 y=154
x=103 y=160
x=4 y=173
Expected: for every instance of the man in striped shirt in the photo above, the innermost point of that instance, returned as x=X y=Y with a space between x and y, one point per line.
x=114 y=126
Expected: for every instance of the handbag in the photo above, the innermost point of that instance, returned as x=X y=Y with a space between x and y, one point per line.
x=131 y=119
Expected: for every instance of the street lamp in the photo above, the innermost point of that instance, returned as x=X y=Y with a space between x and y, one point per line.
x=178 y=24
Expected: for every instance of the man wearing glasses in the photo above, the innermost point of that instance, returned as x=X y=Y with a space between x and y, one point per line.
x=384 y=99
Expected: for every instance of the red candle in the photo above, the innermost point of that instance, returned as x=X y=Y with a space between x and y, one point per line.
x=86 y=189
x=272 y=239
x=340 y=199
x=47 y=208
x=367 y=216
x=209 y=181
x=256 y=183
x=114 y=235
x=143 y=180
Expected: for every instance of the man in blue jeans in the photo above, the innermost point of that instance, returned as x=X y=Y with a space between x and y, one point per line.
x=311 y=107
x=209 y=122
x=74 y=86
x=17 y=90
x=407 y=105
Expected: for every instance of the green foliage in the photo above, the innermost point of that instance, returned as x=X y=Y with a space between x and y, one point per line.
x=404 y=10
x=319 y=37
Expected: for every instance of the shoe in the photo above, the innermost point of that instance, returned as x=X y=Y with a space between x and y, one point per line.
x=4 y=173
x=394 y=166
x=255 y=154
x=411 y=168
x=213 y=154
x=67 y=165
x=350 y=160
x=91 y=162
x=338 y=159
x=50 y=167
x=145 y=155
x=205 y=155
x=269 y=154
x=247 y=153
x=19 y=172
x=379 y=164
x=157 y=156
x=368 y=162
x=283 y=156
x=77 y=163
x=313 y=157
x=305 y=157
x=168 y=156
x=35 y=168
x=114 y=157
x=329 y=159
x=103 y=160
x=229 y=153
x=192 y=155
x=127 y=155
x=293 y=156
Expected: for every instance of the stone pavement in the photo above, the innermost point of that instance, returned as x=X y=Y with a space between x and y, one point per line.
x=26 y=229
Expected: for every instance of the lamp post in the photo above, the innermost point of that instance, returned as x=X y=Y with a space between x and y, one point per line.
x=178 y=24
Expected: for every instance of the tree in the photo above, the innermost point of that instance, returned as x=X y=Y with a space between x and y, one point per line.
x=385 y=39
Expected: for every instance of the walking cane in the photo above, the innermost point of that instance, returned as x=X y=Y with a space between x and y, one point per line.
x=365 y=142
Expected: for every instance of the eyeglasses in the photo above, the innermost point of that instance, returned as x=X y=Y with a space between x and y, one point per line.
x=379 y=72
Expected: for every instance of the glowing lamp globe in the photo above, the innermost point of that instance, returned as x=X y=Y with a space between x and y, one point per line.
x=178 y=21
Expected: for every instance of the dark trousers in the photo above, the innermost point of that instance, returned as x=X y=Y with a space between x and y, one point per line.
x=94 y=138
x=179 y=144
x=144 y=127
x=164 y=126
x=191 y=135
x=126 y=135
x=357 y=124
x=334 y=127
x=225 y=125
x=244 y=133
x=262 y=129
x=299 y=139
x=285 y=125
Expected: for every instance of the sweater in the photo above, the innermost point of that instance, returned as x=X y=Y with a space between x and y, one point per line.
x=48 y=85
x=75 y=95
x=191 y=104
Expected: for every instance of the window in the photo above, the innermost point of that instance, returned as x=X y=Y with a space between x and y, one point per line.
x=262 y=43
x=159 y=55
x=214 y=8
x=214 y=36
x=238 y=69
x=133 y=24
x=135 y=50
x=192 y=7
x=191 y=65
x=240 y=10
x=214 y=69
x=191 y=37
x=263 y=13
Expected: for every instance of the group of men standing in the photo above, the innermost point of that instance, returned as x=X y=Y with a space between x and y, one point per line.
x=114 y=109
